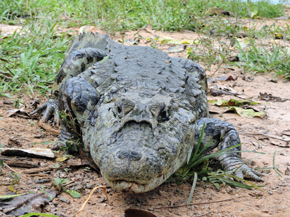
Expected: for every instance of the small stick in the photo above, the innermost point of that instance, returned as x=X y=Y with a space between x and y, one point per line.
x=104 y=189
x=15 y=163
x=43 y=175
x=269 y=136
x=29 y=171
x=195 y=204
x=48 y=128
x=14 y=171
x=9 y=168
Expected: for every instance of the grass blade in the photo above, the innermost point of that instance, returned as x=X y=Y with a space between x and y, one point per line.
x=192 y=188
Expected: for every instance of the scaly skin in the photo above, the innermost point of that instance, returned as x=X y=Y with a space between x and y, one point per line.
x=139 y=112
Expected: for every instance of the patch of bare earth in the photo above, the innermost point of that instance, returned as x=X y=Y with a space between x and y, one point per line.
x=169 y=199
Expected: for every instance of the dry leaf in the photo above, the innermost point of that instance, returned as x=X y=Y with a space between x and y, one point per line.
x=269 y=97
x=131 y=212
x=228 y=78
x=176 y=49
x=23 y=204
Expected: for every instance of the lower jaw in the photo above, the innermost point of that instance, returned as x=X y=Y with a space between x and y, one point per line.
x=136 y=187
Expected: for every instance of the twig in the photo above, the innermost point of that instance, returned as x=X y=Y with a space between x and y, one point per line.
x=42 y=175
x=48 y=128
x=269 y=136
x=29 y=171
x=8 y=167
x=23 y=175
x=17 y=163
x=104 y=189
x=195 y=204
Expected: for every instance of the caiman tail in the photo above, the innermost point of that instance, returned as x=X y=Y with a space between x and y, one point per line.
x=88 y=40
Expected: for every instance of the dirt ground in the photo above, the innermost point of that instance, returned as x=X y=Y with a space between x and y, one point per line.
x=263 y=135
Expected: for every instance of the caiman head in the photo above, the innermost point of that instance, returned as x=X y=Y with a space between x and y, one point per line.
x=139 y=138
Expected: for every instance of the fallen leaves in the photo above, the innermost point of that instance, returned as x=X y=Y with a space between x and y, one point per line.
x=23 y=204
x=228 y=78
x=234 y=104
x=167 y=40
x=269 y=97
x=176 y=49
x=19 y=111
x=231 y=102
x=247 y=113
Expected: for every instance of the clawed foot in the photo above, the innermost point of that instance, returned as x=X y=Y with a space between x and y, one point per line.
x=64 y=138
x=48 y=109
x=246 y=172
x=241 y=170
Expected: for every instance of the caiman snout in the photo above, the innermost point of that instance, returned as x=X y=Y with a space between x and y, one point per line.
x=130 y=155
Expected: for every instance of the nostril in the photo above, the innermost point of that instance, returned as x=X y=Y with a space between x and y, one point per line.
x=135 y=155
x=130 y=155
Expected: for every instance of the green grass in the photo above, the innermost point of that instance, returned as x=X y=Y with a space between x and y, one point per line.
x=261 y=60
x=31 y=60
x=132 y=14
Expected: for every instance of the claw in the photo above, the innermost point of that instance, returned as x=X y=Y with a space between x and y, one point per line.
x=50 y=108
x=241 y=169
x=64 y=137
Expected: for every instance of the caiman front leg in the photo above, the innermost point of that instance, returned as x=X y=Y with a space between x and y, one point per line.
x=77 y=102
x=223 y=135
x=76 y=63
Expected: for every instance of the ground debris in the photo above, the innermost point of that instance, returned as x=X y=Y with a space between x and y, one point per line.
x=13 y=143
x=33 y=152
x=228 y=78
x=18 y=112
x=30 y=171
x=287 y=171
x=87 y=160
x=131 y=212
x=17 y=163
x=23 y=204
x=269 y=97
x=218 y=90
x=48 y=128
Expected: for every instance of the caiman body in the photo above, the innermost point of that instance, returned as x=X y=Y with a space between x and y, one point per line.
x=139 y=111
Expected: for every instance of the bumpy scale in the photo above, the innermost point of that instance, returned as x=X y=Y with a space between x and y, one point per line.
x=138 y=112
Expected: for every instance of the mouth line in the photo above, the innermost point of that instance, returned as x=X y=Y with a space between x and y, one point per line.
x=135 y=186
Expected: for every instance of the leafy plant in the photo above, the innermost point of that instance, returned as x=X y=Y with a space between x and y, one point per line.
x=60 y=184
x=14 y=178
x=197 y=167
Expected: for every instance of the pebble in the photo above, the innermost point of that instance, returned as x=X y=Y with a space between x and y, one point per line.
x=64 y=199
x=41 y=181
x=90 y=185
x=102 y=199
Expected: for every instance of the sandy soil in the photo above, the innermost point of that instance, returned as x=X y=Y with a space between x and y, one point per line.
x=273 y=200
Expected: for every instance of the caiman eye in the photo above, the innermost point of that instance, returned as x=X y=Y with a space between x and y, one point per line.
x=163 y=115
